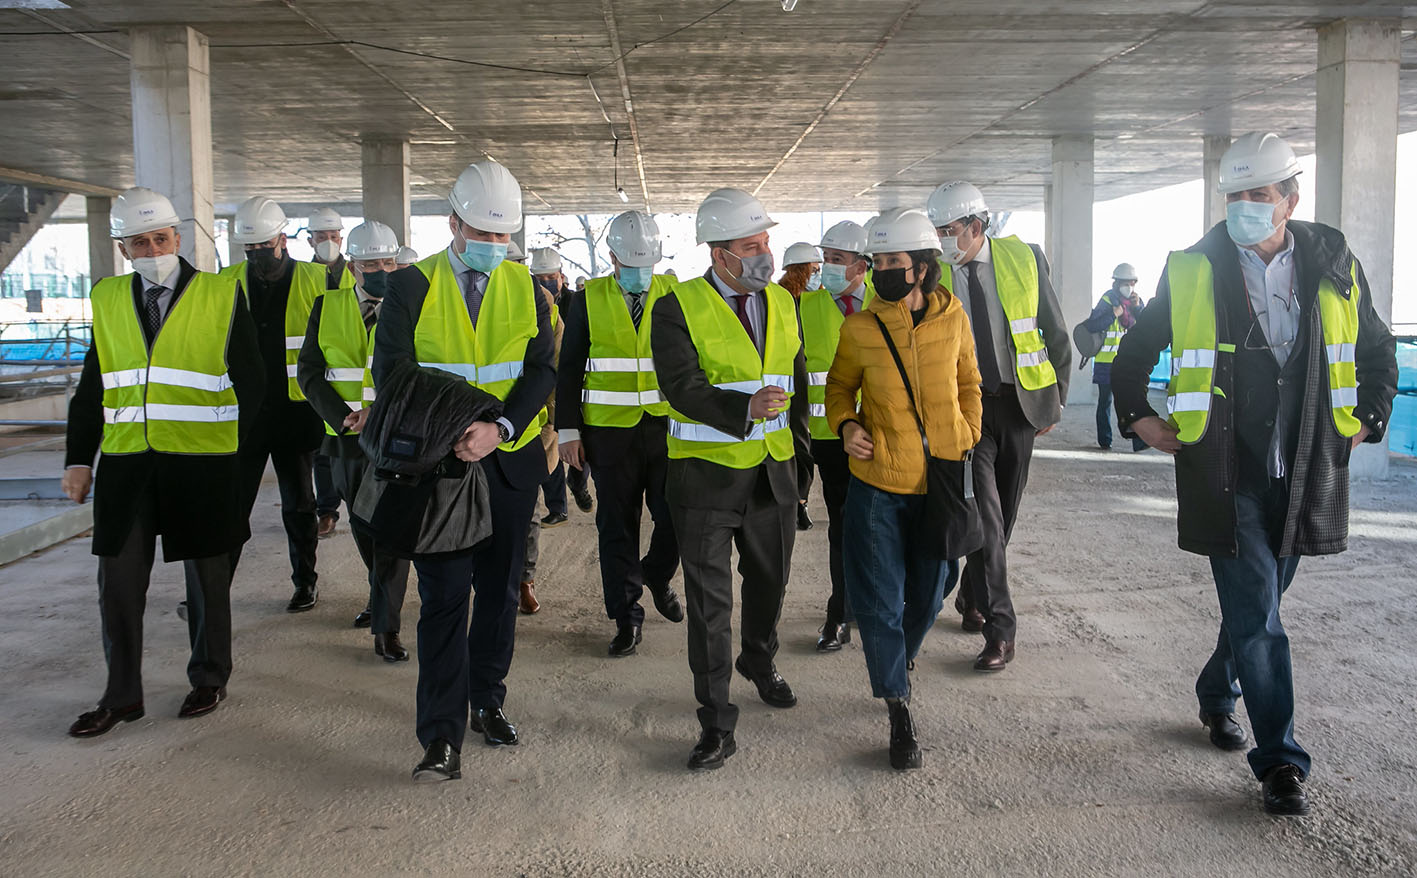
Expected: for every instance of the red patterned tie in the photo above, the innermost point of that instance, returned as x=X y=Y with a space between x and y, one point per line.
x=740 y=301
x=848 y=305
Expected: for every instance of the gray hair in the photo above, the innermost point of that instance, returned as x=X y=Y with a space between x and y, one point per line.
x=1288 y=187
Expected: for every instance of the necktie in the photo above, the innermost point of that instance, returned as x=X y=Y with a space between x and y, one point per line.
x=740 y=301
x=848 y=305
x=637 y=308
x=983 y=338
x=472 y=295
x=152 y=310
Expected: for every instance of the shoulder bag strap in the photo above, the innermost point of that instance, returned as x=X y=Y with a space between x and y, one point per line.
x=909 y=391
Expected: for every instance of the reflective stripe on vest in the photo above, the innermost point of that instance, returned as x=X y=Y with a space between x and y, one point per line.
x=1110 y=343
x=178 y=398
x=1016 y=279
x=821 y=333
x=620 y=382
x=490 y=357
x=1338 y=314
x=730 y=362
x=348 y=349
x=306 y=285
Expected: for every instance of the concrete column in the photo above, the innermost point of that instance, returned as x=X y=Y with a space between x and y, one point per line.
x=385 y=179
x=172 y=128
x=1071 y=202
x=1356 y=179
x=235 y=253
x=1050 y=247
x=1212 y=148
x=104 y=257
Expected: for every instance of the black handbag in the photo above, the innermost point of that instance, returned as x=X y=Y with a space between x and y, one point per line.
x=950 y=527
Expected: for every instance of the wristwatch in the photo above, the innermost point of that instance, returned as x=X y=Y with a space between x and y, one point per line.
x=502 y=432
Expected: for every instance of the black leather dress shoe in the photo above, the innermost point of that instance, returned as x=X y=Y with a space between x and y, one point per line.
x=388 y=646
x=996 y=654
x=365 y=618
x=440 y=762
x=626 y=639
x=304 y=598
x=1225 y=732
x=713 y=749
x=804 y=521
x=905 y=749
x=496 y=729
x=972 y=620
x=833 y=636
x=1283 y=788
x=202 y=701
x=666 y=601
x=554 y=519
x=584 y=502
x=101 y=719
x=771 y=687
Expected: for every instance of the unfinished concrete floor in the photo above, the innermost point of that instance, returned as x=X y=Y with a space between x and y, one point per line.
x=1083 y=758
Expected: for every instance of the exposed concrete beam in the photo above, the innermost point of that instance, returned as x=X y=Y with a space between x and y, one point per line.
x=1071 y=200
x=15 y=175
x=384 y=172
x=608 y=10
x=1212 y=149
x=103 y=250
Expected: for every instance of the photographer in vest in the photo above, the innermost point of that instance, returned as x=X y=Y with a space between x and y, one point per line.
x=324 y=230
x=333 y=371
x=1115 y=313
x=468 y=311
x=1279 y=368
x=844 y=292
x=728 y=351
x=1025 y=353
x=610 y=413
x=168 y=391
x=280 y=292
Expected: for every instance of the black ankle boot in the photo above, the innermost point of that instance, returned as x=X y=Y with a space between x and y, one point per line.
x=905 y=750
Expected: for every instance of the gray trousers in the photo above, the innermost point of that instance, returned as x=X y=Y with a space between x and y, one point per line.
x=122 y=598
x=763 y=531
x=388 y=574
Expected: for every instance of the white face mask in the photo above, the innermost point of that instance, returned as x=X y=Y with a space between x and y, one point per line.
x=155 y=269
x=952 y=254
x=326 y=252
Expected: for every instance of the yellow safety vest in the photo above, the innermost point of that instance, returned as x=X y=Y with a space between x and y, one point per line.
x=1110 y=343
x=620 y=382
x=306 y=285
x=490 y=357
x=821 y=333
x=346 y=278
x=730 y=362
x=348 y=348
x=1016 y=279
x=1194 y=345
x=178 y=398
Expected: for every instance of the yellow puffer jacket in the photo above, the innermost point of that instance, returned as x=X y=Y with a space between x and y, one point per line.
x=939 y=357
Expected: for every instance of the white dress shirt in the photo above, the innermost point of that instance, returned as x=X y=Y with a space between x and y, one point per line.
x=998 y=321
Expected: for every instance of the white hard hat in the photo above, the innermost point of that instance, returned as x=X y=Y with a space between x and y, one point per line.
x=140 y=210
x=955 y=200
x=1256 y=159
x=407 y=256
x=258 y=220
x=324 y=219
x=901 y=230
x=801 y=253
x=514 y=252
x=729 y=214
x=1124 y=271
x=846 y=236
x=371 y=240
x=634 y=239
x=545 y=260
x=487 y=197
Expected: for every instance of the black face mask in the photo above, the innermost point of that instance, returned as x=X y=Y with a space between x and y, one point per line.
x=376 y=283
x=890 y=283
x=266 y=263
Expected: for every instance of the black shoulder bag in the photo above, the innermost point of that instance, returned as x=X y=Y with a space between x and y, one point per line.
x=950 y=527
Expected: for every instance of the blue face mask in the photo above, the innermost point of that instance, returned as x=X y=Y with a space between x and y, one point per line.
x=814 y=281
x=1249 y=222
x=635 y=280
x=482 y=256
x=834 y=278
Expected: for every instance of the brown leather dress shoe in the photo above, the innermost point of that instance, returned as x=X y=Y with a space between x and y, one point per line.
x=326 y=527
x=101 y=719
x=972 y=620
x=201 y=701
x=995 y=655
x=529 y=605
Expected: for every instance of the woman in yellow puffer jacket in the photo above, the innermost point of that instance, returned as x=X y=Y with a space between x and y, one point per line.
x=892 y=585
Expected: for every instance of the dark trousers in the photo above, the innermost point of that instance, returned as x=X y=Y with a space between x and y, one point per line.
x=1252 y=653
x=763 y=531
x=388 y=574
x=327 y=493
x=1104 y=419
x=1001 y=462
x=553 y=490
x=835 y=468
x=462 y=664
x=297 y=500
x=635 y=480
x=122 y=597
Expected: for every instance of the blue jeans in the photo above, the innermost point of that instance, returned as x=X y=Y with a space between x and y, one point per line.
x=1104 y=419
x=1252 y=652
x=894 y=589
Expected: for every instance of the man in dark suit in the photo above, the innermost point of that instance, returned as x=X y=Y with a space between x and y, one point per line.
x=728 y=352
x=469 y=311
x=1025 y=357
x=167 y=390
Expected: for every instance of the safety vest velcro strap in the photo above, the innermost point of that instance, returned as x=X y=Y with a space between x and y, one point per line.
x=816 y=379
x=1023 y=324
x=620 y=364
x=353 y=374
x=1032 y=358
x=124 y=378
x=368 y=394
x=1344 y=397
x=131 y=414
x=1196 y=401
x=294 y=342
x=1340 y=353
x=188 y=378
x=209 y=414
x=817 y=410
